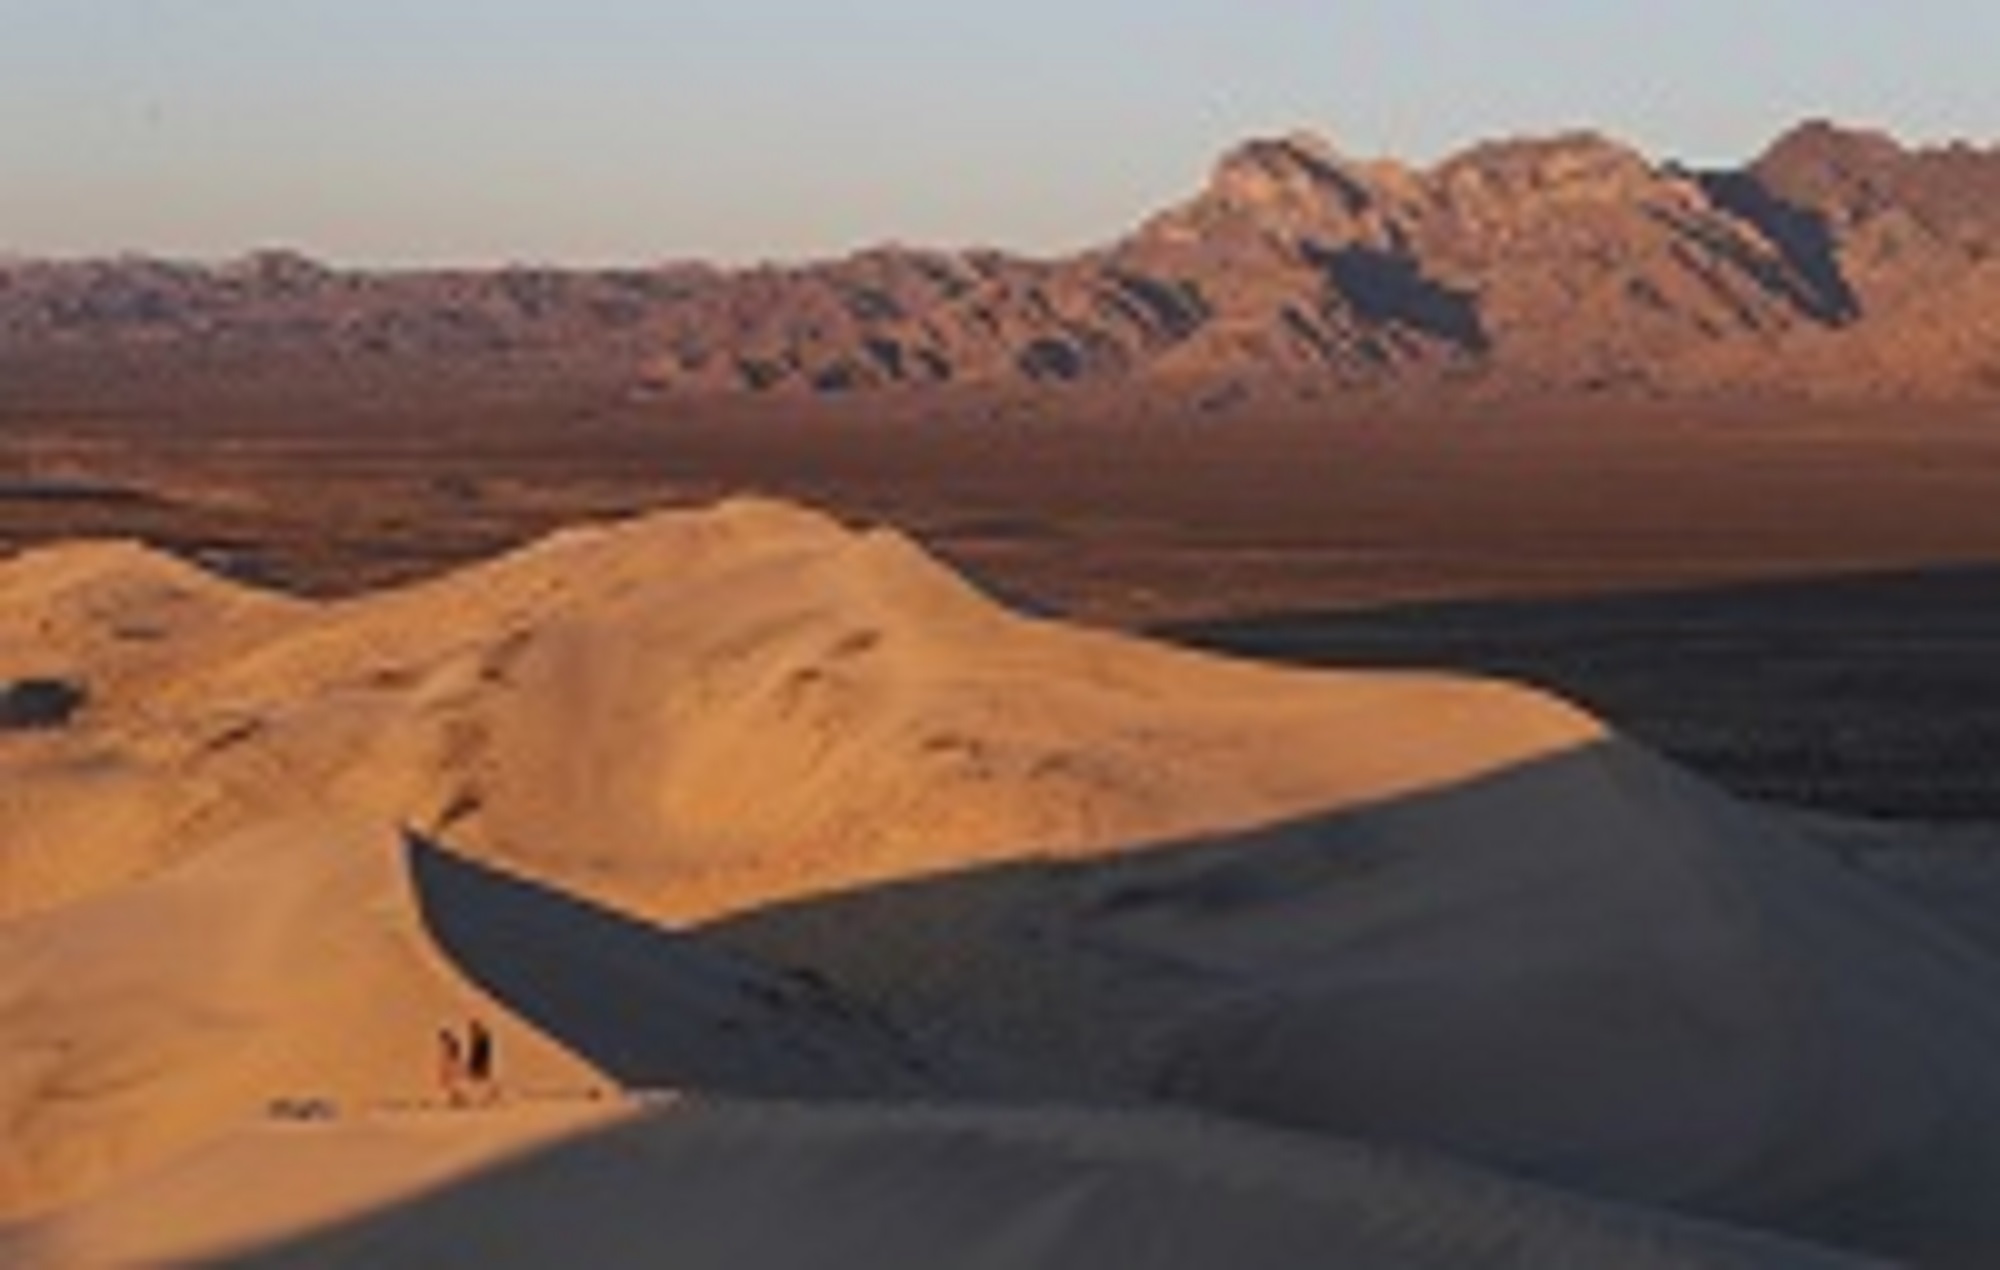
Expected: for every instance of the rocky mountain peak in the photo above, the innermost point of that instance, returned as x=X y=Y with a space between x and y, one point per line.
x=1298 y=173
x=1891 y=201
x=1822 y=143
x=1571 y=166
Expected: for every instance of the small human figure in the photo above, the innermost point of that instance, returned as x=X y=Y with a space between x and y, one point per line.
x=452 y=1066
x=479 y=1059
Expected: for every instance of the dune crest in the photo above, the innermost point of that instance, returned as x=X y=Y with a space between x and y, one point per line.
x=699 y=711
x=286 y=965
x=304 y=970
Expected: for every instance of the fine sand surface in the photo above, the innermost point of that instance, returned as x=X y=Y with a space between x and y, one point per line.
x=304 y=971
x=268 y=1181
x=745 y=804
x=776 y=1185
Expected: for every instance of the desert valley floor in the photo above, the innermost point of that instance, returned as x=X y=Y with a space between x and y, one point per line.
x=1018 y=831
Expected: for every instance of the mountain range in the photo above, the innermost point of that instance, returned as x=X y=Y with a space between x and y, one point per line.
x=1839 y=262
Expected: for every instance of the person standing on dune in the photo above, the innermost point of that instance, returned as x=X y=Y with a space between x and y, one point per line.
x=451 y=1067
x=479 y=1059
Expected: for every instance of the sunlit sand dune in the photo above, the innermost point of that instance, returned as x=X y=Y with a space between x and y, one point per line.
x=915 y=846
x=699 y=712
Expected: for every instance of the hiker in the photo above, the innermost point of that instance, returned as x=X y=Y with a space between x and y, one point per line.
x=451 y=1066
x=479 y=1058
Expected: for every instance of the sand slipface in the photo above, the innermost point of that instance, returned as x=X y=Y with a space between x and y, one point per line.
x=916 y=847
x=287 y=968
x=302 y=972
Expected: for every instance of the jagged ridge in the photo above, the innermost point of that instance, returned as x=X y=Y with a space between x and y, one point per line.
x=1837 y=261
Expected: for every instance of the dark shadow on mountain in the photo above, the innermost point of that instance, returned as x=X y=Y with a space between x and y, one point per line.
x=1802 y=236
x=1166 y=310
x=39 y=705
x=1049 y=359
x=648 y=1007
x=1873 y=693
x=1390 y=289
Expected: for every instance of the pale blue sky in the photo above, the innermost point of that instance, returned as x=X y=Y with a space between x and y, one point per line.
x=621 y=130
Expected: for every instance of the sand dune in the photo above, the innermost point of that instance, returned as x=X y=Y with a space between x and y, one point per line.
x=286 y=965
x=1006 y=859
x=701 y=712
x=269 y=1180
x=305 y=969
x=1593 y=970
x=765 y=1185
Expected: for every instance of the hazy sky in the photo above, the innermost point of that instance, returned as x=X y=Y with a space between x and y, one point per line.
x=639 y=130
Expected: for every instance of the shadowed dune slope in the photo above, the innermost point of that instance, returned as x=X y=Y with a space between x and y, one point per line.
x=310 y=966
x=1593 y=969
x=288 y=964
x=650 y=1009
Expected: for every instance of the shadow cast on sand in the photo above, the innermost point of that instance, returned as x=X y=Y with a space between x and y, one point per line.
x=649 y=1008
x=1589 y=972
